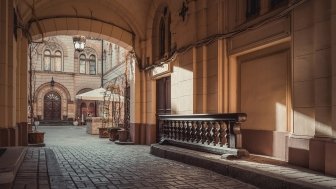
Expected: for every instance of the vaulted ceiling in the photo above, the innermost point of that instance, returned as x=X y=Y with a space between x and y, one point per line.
x=118 y=19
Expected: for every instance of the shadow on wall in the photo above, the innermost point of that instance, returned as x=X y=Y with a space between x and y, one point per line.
x=301 y=148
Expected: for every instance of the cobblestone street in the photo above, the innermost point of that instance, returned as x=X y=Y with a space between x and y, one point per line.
x=87 y=161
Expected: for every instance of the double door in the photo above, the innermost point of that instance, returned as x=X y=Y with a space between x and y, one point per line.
x=163 y=101
x=52 y=106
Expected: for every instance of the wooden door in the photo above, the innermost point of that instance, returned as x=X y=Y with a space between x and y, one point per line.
x=83 y=111
x=163 y=100
x=52 y=106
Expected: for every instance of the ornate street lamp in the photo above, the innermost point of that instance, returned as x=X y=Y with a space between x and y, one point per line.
x=79 y=43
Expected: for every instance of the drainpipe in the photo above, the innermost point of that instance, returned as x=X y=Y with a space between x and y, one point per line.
x=102 y=65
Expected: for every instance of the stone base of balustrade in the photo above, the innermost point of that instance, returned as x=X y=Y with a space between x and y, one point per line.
x=227 y=153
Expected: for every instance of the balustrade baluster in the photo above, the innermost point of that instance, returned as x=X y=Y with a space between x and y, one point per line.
x=187 y=131
x=222 y=139
x=198 y=131
x=215 y=133
x=227 y=133
x=209 y=132
x=204 y=132
x=176 y=130
x=168 y=129
x=173 y=130
x=182 y=131
x=162 y=129
x=193 y=131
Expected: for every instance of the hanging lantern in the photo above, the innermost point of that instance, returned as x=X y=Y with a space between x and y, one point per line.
x=79 y=43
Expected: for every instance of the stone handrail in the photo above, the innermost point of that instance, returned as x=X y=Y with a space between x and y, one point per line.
x=207 y=129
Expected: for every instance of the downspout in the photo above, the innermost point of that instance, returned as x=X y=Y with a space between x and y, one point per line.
x=102 y=65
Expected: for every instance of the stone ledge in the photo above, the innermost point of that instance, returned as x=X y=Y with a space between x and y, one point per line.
x=10 y=162
x=224 y=151
x=123 y=143
x=246 y=174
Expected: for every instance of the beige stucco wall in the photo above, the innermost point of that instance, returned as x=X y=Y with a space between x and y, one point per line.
x=205 y=77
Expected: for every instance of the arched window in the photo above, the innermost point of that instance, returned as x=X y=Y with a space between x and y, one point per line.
x=118 y=54
x=111 y=55
x=82 y=66
x=92 y=65
x=252 y=8
x=163 y=40
x=110 y=48
x=105 y=64
x=58 y=61
x=162 y=37
x=47 y=60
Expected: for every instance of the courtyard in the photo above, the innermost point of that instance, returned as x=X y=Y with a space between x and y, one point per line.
x=86 y=161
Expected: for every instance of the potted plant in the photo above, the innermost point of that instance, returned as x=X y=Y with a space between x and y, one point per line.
x=75 y=123
x=35 y=137
x=123 y=135
x=113 y=133
x=103 y=132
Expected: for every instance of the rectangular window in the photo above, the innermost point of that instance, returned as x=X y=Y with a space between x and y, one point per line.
x=252 y=8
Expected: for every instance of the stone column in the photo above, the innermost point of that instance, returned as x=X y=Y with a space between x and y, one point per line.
x=7 y=75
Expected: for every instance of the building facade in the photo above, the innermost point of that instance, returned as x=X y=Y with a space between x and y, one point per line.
x=59 y=73
x=272 y=59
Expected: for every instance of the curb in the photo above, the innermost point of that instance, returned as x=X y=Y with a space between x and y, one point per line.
x=257 y=178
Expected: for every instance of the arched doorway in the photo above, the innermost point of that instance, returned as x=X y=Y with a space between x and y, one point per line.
x=52 y=106
x=83 y=111
x=92 y=109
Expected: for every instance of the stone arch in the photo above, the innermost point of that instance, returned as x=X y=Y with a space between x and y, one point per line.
x=53 y=47
x=121 y=15
x=45 y=88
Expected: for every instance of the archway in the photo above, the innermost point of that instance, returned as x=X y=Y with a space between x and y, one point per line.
x=124 y=26
x=52 y=106
x=83 y=110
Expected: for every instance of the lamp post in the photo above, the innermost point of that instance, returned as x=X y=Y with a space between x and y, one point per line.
x=79 y=43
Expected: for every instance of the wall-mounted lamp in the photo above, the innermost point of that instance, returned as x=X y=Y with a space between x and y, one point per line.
x=52 y=82
x=184 y=11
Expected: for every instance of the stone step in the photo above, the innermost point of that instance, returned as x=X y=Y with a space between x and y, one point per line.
x=10 y=162
x=256 y=170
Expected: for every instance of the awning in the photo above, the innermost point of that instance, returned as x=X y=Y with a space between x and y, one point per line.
x=98 y=94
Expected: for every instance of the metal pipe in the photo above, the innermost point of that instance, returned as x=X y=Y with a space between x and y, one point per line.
x=102 y=65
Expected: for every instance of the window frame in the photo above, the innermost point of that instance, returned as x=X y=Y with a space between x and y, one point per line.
x=82 y=60
x=44 y=59
x=58 y=57
x=92 y=64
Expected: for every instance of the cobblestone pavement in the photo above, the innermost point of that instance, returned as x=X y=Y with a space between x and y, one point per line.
x=87 y=161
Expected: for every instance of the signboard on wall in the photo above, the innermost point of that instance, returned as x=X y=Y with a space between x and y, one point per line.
x=161 y=70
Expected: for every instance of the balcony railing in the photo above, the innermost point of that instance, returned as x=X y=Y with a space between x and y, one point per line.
x=221 y=130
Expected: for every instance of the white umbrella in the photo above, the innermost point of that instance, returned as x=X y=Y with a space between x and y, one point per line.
x=98 y=94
